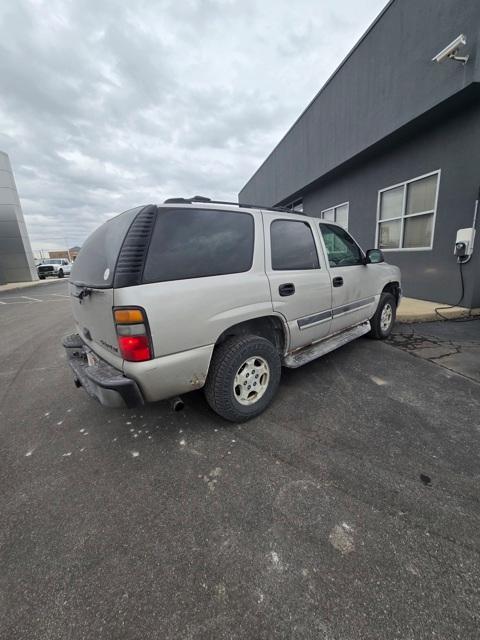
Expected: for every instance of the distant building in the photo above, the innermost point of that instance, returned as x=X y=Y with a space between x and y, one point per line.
x=390 y=146
x=68 y=254
x=16 y=257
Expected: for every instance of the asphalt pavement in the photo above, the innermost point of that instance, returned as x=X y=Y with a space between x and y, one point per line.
x=349 y=510
x=453 y=344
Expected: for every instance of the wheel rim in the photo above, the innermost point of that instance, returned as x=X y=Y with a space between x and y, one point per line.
x=251 y=380
x=386 y=317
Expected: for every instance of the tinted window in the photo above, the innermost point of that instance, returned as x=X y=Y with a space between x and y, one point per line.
x=95 y=264
x=196 y=243
x=342 y=249
x=293 y=246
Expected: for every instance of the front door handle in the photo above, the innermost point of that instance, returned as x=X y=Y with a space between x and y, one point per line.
x=287 y=289
x=337 y=281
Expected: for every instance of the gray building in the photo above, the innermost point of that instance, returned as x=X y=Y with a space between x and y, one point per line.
x=16 y=258
x=390 y=146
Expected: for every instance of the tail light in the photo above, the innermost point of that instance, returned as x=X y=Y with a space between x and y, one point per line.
x=133 y=334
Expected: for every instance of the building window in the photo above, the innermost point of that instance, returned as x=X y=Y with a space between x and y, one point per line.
x=296 y=206
x=338 y=214
x=406 y=214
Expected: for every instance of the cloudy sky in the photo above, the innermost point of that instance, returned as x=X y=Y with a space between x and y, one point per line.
x=107 y=104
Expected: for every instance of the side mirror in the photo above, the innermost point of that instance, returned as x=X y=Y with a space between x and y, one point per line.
x=374 y=256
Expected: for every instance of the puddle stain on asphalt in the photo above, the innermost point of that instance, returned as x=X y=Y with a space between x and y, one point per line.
x=425 y=479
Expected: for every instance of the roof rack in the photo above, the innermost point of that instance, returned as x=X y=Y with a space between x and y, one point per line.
x=204 y=200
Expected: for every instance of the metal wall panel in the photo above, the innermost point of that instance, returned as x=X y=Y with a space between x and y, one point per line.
x=387 y=81
x=16 y=258
x=451 y=145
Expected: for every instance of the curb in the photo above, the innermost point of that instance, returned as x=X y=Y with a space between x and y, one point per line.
x=429 y=316
x=20 y=286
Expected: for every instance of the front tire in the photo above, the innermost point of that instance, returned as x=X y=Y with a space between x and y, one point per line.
x=243 y=377
x=384 y=319
x=60 y=273
x=41 y=277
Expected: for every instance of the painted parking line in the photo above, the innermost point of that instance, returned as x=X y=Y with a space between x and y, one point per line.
x=58 y=298
x=13 y=300
x=29 y=300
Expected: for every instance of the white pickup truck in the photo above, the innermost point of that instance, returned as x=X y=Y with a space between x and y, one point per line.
x=193 y=293
x=54 y=267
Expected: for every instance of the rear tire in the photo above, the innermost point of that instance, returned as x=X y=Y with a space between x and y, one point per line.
x=243 y=377
x=384 y=319
x=60 y=273
x=41 y=277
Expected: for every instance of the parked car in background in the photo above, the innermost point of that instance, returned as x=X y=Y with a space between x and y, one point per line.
x=194 y=293
x=54 y=267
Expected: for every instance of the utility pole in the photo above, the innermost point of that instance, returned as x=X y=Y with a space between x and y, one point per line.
x=68 y=250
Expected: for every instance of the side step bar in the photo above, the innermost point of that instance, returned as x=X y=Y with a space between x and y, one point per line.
x=318 y=349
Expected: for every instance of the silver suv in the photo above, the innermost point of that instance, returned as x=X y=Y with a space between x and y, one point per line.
x=195 y=293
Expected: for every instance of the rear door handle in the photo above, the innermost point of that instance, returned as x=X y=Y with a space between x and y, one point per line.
x=337 y=281
x=287 y=289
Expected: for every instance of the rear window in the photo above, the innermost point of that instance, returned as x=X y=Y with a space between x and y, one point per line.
x=95 y=264
x=194 y=243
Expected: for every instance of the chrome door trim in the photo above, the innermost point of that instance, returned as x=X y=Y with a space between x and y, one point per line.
x=323 y=316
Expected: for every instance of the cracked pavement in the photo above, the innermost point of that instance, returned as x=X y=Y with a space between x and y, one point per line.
x=454 y=345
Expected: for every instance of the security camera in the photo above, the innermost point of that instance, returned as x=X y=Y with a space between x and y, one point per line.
x=450 y=51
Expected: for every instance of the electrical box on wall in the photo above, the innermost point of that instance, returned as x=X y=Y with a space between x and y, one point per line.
x=464 y=242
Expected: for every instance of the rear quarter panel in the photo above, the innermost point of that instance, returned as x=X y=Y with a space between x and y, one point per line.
x=192 y=313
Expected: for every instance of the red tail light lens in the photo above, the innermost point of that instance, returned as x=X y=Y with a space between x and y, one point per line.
x=135 y=348
x=133 y=334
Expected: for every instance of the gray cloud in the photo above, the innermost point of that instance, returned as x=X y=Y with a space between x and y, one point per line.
x=105 y=106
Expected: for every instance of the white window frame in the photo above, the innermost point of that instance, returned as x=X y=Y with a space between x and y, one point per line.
x=335 y=207
x=402 y=217
x=293 y=206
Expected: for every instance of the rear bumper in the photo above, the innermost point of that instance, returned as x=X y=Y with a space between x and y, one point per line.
x=101 y=381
